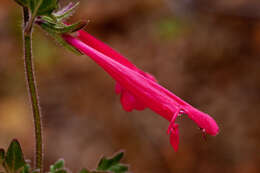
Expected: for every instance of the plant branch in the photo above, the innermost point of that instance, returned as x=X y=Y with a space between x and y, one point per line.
x=31 y=82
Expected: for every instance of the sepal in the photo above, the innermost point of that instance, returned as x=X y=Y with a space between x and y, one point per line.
x=57 y=28
x=66 y=12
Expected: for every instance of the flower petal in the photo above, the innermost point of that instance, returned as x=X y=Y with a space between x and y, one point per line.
x=118 y=88
x=127 y=101
x=105 y=49
x=174 y=137
x=203 y=120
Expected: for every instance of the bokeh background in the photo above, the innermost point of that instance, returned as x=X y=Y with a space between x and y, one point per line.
x=206 y=52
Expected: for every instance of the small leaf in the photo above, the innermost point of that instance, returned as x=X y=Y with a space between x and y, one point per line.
x=47 y=7
x=2 y=156
x=116 y=159
x=118 y=168
x=58 y=167
x=59 y=164
x=26 y=169
x=33 y=5
x=112 y=164
x=14 y=157
x=106 y=163
x=42 y=7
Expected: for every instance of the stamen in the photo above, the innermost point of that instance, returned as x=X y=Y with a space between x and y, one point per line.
x=204 y=135
x=172 y=125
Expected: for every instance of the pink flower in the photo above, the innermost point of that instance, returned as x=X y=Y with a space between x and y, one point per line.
x=128 y=101
x=138 y=89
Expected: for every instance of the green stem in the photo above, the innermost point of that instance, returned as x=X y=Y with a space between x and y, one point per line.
x=31 y=82
x=33 y=16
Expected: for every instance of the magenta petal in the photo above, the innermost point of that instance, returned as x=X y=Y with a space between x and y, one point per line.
x=105 y=49
x=139 y=106
x=148 y=76
x=174 y=137
x=118 y=88
x=203 y=120
x=127 y=101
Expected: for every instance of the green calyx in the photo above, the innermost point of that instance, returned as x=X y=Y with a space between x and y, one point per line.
x=46 y=14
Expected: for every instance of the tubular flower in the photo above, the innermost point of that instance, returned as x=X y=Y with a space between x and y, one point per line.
x=128 y=100
x=140 y=90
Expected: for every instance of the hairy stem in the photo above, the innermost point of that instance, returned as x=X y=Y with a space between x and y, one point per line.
x=30 y=23
x=31 y=82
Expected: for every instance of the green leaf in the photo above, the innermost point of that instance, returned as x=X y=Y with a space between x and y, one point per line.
x=34 y=5
x=104 y=164
x=112 y=164
x=57 y=165
x=42 y=7
x=47 y=7
x=116 y=159
x=26 y=169
x=14 y=159
x=118 y=168
x=2 y=156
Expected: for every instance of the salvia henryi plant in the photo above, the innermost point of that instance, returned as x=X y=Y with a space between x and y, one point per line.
x=137 y=89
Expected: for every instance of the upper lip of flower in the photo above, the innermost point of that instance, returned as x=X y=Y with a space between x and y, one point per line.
x=142 y=86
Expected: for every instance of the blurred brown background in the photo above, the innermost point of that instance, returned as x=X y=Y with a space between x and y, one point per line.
x=206 y=52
